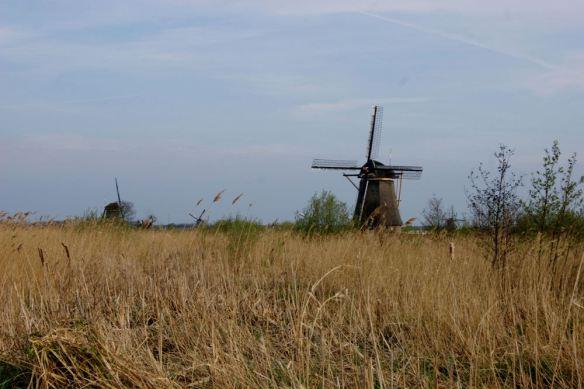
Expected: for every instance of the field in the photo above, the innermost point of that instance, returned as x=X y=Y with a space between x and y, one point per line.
x=107 y=306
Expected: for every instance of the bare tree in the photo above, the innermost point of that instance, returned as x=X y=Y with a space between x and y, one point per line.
x=494 y=204
x=128 y=211
x=434 y=214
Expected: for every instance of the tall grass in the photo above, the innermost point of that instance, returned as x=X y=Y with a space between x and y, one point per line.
x=113 y=308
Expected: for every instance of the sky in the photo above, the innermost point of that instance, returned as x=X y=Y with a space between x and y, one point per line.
x=181 y=99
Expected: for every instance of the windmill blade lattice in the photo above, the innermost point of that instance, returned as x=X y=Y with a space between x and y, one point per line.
x=408 y=172
x=375 y=130
x=337 y=164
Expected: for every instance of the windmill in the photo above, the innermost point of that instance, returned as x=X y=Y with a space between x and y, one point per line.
x=118 y=209
x=115 y=210
x=198 y=219
x=377 y=202
x=451 y=223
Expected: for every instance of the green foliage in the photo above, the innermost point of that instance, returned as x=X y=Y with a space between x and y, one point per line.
x=237 y=224
x=324 y=214
x=283 y=226
x=544 y=198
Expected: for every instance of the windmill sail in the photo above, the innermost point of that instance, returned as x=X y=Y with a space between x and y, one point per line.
x=119 y=199
x=337 y=164
x=375 y=133
x=410 y=172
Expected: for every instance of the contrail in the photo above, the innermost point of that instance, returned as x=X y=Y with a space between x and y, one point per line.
x=461 y=39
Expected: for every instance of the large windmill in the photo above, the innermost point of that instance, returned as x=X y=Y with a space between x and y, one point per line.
x=377 y=201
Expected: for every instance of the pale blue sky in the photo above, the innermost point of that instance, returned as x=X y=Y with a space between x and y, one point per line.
x=183 y=98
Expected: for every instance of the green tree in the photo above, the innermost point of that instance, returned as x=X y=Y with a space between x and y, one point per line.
x=543 y=203
x=323 y=214
x=555 y=200
x=570 y=201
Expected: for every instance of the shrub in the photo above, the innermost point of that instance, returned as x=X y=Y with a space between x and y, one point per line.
x=323 y=214
x=237 y=224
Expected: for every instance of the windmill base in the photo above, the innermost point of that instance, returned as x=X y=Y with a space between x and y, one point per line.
x=377 y=204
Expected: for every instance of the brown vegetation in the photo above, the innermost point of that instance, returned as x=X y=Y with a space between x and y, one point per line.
x=114 y=307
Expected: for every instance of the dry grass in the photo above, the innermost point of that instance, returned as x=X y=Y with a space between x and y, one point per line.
x=115 y=308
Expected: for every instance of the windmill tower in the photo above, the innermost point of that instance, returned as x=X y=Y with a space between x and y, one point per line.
x=377 y=199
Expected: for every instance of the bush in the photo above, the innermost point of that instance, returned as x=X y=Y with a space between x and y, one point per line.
x=323 y=214
x=237 y=224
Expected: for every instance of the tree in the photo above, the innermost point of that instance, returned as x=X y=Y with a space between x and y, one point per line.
x=570 y=201
x=555 y=198
x=128 y=210
x=571 y=194
x=323 y=214
x=434 y=214
x=494 y=204
x=543 y=203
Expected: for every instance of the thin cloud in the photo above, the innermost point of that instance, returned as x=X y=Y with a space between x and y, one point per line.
x=555 y=78
x=61 y=105
x=461 y=39
x=63 y=142
x=356 y=103
x=541 y=8
x=169 y=148
x=569 y=76
x=10 y=35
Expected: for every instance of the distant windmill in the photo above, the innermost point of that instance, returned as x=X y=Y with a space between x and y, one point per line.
x=198 y=219
x=115 y=209
x=377 y=203
x=451 y=223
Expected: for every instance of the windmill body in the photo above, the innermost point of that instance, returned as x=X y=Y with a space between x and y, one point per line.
x=377 y=202
x=379 y=187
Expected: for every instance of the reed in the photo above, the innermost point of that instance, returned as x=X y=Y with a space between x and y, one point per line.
x=112 y=307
